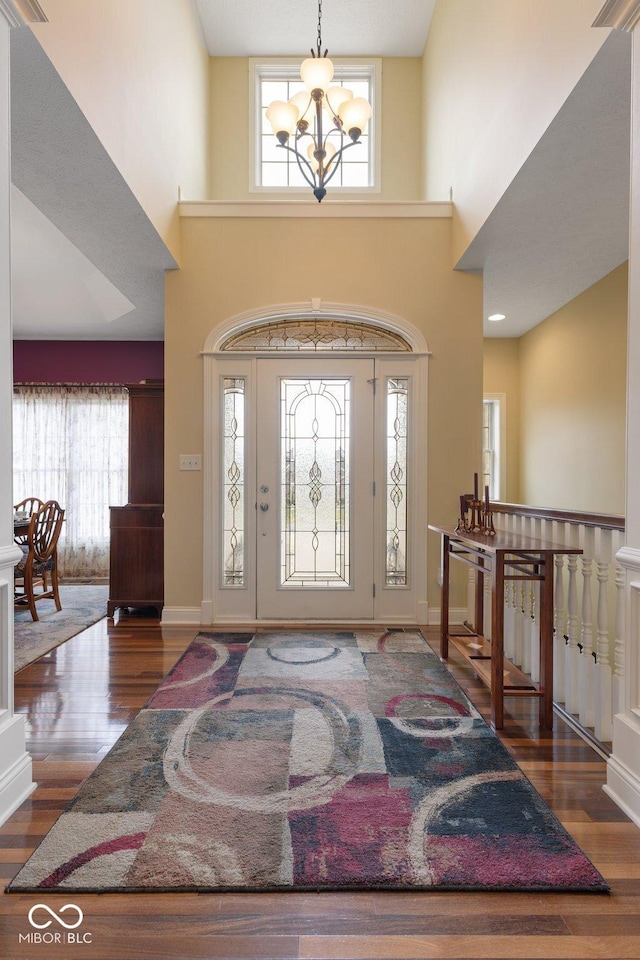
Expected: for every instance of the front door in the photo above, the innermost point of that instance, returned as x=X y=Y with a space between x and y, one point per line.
x=315 y=494
x=315 y=477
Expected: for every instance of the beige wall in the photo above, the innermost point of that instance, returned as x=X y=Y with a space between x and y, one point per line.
x=495 y=74
x=140 y=75
x=565 y=383
x=399 y=266
x=501 y=375
x=399 y=115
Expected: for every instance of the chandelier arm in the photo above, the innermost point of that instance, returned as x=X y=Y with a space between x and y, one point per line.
x=301 y=160
x=335 y=159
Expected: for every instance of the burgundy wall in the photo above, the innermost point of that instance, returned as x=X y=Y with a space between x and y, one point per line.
x=87 y=361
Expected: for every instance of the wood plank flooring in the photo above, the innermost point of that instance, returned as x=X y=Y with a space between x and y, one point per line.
x=80 y=697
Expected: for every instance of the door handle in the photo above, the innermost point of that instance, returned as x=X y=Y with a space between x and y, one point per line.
x=264 y=507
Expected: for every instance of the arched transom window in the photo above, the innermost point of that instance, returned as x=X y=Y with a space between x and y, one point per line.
x=317 y=335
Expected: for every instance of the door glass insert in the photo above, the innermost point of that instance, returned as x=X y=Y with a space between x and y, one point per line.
x=233 y=481
x=397 y=410
x=315 y=481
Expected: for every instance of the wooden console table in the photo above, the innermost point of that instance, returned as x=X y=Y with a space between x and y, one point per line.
x=507 y=556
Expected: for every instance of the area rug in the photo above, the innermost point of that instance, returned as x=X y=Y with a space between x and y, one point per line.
x=295 y=761
x=82 y=605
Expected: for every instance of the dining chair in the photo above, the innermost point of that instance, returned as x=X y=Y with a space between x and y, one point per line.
x=39 y=559
x=29 y=505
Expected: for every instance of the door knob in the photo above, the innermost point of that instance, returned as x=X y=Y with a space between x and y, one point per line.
x=264 y=507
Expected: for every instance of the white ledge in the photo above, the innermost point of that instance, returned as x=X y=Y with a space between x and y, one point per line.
x=407 y=209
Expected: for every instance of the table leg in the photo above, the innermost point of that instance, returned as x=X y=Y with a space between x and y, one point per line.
x=444 y=601
x=546 y=644
x=497 y=644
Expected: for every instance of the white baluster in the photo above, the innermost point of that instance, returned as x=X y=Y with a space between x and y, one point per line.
x=509 y=628
x=521 y=613
x=559 y=641
x=603 y=705
x=587 y=663
x=618 y=704
x=572 y=653
x=488 y=586
x=471 y=595
x=529 y=610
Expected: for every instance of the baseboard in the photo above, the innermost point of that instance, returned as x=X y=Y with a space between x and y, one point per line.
x=182 y=615
x=623 y=766
x=16 y=783
x=195 y=616
x=457 y=615
x=624 y=789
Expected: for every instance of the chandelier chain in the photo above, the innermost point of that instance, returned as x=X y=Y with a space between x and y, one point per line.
x=319 y=26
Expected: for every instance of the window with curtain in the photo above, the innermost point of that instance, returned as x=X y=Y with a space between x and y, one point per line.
x=70 y=444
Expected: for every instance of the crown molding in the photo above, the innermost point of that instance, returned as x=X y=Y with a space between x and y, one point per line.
x=11 y=13
x=19 y=12
x=620 y=14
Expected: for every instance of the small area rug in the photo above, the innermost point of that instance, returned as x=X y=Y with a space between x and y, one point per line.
x=82 y=605
x=292 y=761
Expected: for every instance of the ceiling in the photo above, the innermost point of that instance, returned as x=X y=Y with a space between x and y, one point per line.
x=87 y=263
x=288 y=28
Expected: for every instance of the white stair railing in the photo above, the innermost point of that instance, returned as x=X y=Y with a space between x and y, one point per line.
x=588 y=612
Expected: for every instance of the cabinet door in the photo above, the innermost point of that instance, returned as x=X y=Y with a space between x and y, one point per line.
x=146 y=443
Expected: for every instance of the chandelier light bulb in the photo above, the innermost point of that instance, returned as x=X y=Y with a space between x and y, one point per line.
x=305 y=106
x=329 y=150
x=316 y=73
x=354 y=115
x=283 y=117
x=335 y=97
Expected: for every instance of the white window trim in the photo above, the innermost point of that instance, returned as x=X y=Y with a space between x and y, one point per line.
x=260 y=68
x=500 y=400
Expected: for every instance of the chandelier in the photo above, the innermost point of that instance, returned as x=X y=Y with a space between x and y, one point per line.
x=317 y=108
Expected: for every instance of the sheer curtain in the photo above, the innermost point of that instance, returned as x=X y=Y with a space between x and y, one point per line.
x=70 y=444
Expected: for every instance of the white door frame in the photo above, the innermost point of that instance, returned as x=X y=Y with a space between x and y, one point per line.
x=237 y=605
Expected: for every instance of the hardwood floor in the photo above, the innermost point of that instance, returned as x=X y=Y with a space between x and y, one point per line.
x=80 y=697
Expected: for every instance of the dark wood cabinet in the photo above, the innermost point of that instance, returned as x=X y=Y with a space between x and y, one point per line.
x=136 y=576
x=146 y=442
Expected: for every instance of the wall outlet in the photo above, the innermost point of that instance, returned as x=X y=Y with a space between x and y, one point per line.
x=190 y=461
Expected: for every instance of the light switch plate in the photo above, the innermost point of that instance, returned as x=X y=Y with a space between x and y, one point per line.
x=190 y=461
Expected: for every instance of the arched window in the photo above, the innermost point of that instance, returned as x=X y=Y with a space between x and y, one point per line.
x=317 y=335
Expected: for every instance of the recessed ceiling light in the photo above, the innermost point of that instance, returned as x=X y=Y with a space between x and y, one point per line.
x=497 y=316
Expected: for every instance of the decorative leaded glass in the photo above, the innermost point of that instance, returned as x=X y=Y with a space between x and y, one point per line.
x=315 y=482
x=318 y=336
x=233 y=481
x=397 y=410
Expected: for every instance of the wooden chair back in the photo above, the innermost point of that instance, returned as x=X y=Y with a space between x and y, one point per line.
x=29 y=506
x=44 y=531
x=40 y=559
